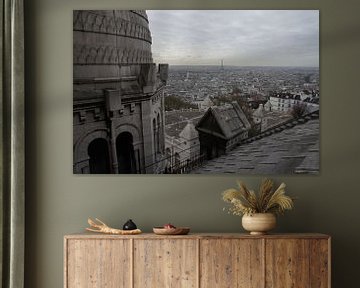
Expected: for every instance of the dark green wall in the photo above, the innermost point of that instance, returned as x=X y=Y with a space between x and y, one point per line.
x=59 y=203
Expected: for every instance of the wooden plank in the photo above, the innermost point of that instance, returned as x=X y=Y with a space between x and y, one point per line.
x=88 y=235
x=329 y=262
x=231 y=263
x=263 y=252
x=65 y=262
x=198 y=263
x=132 y=262
x=319 y=263
x=287 y=263
x=199 y=260
x=98 y=263
x=165 y=263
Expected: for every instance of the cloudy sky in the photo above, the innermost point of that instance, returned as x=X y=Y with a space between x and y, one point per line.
x=239 y=37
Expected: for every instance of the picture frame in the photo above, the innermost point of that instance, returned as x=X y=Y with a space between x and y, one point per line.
x=230 y=101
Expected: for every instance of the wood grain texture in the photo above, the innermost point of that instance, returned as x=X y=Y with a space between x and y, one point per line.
x=231 y=263
x=165 y=263
x=197 y=260
x=88 y=235
x=319 y=263
x=98 y=263
x=287 y=263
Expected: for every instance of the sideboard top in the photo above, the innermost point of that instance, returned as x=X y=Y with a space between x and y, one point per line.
x=86 y=235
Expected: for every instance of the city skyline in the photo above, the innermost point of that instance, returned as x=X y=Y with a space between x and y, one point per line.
x=133 y=114
x=238 y=37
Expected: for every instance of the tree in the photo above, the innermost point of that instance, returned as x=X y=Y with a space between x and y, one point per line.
x=299 y=110
x=176 y=103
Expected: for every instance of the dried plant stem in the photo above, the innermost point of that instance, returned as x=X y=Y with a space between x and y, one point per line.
x=245 y=201
x=101 y=227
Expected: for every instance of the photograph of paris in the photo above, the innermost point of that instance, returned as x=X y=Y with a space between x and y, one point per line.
x=196 y=92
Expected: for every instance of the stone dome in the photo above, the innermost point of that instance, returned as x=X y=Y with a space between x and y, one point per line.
x=108 y=41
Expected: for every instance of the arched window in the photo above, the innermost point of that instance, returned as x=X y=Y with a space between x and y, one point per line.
x=98 y=151
x=154 y=137
x=125 y=153
x=158 y=133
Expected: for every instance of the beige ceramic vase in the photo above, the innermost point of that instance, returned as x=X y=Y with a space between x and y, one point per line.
x=259 y=223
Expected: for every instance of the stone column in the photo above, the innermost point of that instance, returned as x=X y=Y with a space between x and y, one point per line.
x=115 y=165
x=113 y=105
x=147 y=131
x=162 y=127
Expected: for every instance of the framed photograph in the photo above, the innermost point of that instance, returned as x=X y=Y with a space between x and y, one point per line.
x=196 y=91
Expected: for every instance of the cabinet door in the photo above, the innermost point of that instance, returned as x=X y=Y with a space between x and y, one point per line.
x=98 y=263
x=166 y=263
x=231 y=263
x=320 y=263
x=287 y=263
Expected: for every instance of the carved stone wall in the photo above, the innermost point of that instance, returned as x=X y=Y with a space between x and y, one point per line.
x=97 y=55
x=117 y=90
x=111 y=23
x=111 y=37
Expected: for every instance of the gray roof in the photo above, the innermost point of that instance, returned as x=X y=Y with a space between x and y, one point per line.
x=172 y=117
x=292 y=150
x=189 y=131
x=85 y=94
x=175 y=121
x=225 y=121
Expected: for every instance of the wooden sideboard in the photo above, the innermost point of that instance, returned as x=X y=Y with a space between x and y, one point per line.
x=197 y=260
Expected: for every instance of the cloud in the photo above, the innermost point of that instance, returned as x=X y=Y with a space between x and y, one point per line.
x=240 y=37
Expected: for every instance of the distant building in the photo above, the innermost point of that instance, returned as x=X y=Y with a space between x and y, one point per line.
x=182 y=147
x=221 y=129
x=311 y=86
x=282 y=103
x=268 y=106
x=259 y=118
x=118 y=105
x=204 y=104
x=285 y=102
